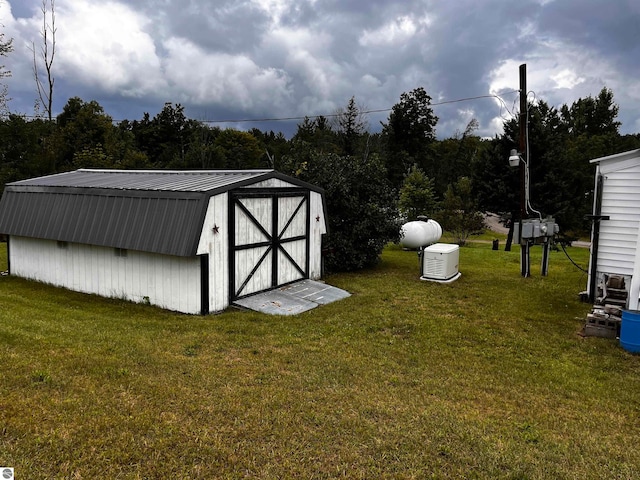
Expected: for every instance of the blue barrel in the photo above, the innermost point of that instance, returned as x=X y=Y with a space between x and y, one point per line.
x=630 y=331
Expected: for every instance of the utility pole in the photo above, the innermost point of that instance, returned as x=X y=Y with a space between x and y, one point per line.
x=525 y=260
x=531 y=231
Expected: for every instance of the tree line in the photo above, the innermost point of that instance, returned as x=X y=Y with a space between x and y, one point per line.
x=373 y=181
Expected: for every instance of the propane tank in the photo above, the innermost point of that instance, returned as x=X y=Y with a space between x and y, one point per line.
x=420 y=233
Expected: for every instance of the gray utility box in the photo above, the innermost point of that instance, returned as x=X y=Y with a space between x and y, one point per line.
x=535 y=230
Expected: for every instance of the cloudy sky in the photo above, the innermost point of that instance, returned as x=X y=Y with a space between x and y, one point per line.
x=256 y=59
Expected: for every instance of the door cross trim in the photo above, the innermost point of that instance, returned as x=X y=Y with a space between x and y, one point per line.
x=274 y=240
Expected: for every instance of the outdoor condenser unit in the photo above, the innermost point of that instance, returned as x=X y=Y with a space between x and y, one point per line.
x=440 y=263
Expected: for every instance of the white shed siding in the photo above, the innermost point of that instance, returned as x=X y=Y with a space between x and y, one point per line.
x=247 y=232
x=318 y=228
x=216 y=245
x=619 y=235
x=167 y=281
x=286 y=271
x=272 y=183
x=245 y=263
x=171 y=279
x=214 y=241
x=297 y=227
x=287 y=207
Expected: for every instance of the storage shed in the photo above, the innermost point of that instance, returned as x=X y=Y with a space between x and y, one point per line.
x=189 y=241
x=615 y=237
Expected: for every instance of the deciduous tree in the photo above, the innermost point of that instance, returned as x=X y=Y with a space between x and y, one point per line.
x=239 y=150
x=409 y=132
x=165 y=137
x=83 y=128
x=25 y=148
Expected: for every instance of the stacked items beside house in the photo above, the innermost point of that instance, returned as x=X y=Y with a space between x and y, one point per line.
x=606 y=316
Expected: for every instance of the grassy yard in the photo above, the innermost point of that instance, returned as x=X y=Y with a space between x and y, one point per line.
x=483 y=378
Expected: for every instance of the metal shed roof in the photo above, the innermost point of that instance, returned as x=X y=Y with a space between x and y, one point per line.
x=147 y=180
x=147 y=210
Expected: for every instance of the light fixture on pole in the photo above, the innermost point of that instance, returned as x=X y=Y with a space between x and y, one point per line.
x=514 y=158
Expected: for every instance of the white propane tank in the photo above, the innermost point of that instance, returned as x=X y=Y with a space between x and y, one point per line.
x=420 y=233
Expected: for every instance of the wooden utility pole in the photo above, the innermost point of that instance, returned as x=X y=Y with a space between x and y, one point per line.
x=525 y=262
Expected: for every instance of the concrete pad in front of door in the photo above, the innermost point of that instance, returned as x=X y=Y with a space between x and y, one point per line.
x=294 y=298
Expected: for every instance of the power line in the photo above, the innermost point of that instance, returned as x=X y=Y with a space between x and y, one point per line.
x=380 y=110
x=330 y=115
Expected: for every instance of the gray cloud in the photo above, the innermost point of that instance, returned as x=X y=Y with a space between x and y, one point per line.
x=609 y=29
x=278 y=58
x=229 y=26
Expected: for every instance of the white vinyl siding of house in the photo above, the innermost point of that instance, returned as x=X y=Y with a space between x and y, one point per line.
x=619 y=235
x=166 y=281
x=618 y=246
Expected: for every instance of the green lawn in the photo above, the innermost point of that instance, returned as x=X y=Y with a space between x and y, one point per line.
x=483 y=378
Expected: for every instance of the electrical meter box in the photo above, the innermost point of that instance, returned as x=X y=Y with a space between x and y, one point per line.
x=440 y=262
x=535 y=230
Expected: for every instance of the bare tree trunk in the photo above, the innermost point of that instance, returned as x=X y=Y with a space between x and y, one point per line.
x=47 y=54
x=5 y=48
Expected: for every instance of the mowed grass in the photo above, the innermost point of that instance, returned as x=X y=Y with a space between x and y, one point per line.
x=486 y=377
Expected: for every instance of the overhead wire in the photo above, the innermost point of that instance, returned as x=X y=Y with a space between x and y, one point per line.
x=504 y=105
x=330 y=115
x=379 y=110
x=528 y=157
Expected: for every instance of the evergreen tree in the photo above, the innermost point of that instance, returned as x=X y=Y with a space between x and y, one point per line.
x=460 y=214
x=561 y=142
x=351 y=125
x=592 y=116
x=417 y=195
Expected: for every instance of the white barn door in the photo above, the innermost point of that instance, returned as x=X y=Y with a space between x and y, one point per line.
x=268 y=239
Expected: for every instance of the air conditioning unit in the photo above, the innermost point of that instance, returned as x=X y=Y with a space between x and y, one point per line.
x=440 y=263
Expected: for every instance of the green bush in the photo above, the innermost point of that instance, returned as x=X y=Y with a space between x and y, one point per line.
x=360 y=206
